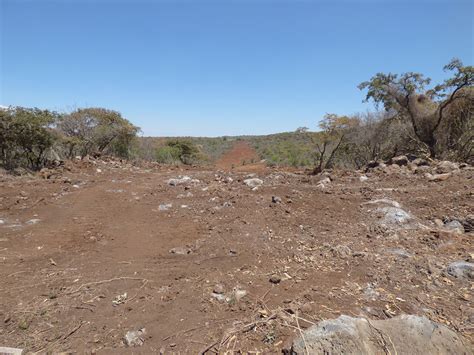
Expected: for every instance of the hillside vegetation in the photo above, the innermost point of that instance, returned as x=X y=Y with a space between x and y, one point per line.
x=411 y=117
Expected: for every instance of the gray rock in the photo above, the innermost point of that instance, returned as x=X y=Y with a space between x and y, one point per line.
x=461 y=270
x=446 y=167
x=405 y=334
x=135 y=337
x=400 y=160
x=455 y=227
x=254 y=182
x=399 y=252
x=180 y=180
x=276 y=199
x=275 y=279
x=165 y=206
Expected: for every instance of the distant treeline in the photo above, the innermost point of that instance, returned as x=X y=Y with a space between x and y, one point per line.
x=411 y=117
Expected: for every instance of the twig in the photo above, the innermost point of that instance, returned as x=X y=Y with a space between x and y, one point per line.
x=105 y=281
x=301 y=333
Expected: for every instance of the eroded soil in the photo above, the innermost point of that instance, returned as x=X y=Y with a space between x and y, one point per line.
x=72 y=245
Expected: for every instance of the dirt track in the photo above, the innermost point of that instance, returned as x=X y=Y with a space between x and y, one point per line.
x=71 y=244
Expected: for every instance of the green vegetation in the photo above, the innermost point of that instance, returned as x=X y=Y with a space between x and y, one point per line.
x=32 y=138
x=437 y=122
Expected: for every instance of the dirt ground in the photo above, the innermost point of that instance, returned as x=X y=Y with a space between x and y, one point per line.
x=102 y=248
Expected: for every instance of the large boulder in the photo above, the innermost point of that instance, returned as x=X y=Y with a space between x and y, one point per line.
x=405 y=334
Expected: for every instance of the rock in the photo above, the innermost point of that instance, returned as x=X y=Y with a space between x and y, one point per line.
x=399 y=252
x=135 y=337
x=420 y=162
x=372 y=164
x=342 y=251
x=461 y=270
x=33 y=221
x=219 y=289
x=180 y=251
x=165 y=206
x=401 y=160
x=218 y=296
x=468 y=223
x=275 y=279
x=446 y=167
x=439 y=223
x=454 y=226
x=437 y=177
x=10 y=351
x=393 y=215
x=363 y=178
x=405 y=334
x=253 y=182
x=179 y=180
x=276 y=199
x=238 y=294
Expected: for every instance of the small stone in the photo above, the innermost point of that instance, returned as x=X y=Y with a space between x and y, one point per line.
x=218 y=289
x=180 y=251
x=135 y=337
x=275 y=279
x=276 y=199
x=165 y=207
x=253 y=183
x=437 y=177
x=400 y=160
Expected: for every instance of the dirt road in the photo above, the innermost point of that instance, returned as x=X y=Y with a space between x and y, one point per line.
x=107 y=248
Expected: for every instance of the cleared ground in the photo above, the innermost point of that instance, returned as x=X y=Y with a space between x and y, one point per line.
x=88 y=255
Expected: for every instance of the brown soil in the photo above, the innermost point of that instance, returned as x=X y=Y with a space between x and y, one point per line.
x=71 y=244
x=241 y=157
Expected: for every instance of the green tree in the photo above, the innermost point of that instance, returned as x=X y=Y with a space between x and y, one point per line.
x=26 y=135
x=333 y=136
x=426 y=109
x=96 y=131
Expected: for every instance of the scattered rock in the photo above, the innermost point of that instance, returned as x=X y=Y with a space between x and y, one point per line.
x=437 y=177
x=446 y=167
x=253 y=183
x=461 y=270
x=420 y=162
x=135 y=337
x=399 y=252
x=119 y=299
x=455 y=227
x=275 y=279
x=180 y=251
x=405 y=334
x=219 y=289
x=165 y=206
x=400 y=160
x=180 y=180
x=276 y=199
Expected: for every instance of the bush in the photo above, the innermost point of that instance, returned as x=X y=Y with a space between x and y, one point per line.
x=94 y=131
x=26 y=136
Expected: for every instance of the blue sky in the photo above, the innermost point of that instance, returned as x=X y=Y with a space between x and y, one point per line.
x=221 y=67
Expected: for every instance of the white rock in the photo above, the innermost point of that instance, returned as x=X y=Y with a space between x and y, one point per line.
x=254 y=182
x=135 y=337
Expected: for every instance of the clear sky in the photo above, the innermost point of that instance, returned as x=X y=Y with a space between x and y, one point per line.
x=202 y=67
